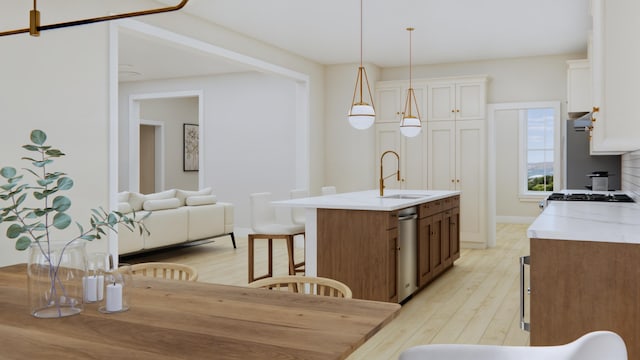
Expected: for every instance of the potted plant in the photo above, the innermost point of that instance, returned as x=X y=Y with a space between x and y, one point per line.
x=55 y=267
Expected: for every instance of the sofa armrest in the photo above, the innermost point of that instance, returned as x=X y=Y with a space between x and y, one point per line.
x=229 y=212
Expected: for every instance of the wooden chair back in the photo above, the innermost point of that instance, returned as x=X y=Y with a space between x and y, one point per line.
x=305 y=284
x=170 y=271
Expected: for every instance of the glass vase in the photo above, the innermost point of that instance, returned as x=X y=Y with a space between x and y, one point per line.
x=55 y=278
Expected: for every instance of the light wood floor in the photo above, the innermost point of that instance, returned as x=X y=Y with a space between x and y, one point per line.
x=475 y=302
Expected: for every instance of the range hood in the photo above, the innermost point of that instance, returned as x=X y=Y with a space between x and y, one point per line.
x=581 y=120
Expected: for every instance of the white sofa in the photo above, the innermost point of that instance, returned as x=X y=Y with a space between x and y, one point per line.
x=177 y=217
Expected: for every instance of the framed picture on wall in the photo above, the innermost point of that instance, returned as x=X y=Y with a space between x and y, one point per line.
x=190 y=149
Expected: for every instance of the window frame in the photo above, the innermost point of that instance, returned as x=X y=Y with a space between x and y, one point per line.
x=524 y=193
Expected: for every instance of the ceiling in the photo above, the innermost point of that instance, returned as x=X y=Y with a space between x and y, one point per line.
x=328 y=31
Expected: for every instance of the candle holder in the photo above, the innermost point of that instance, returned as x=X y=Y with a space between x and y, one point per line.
x=93 y=281
x=116 y=290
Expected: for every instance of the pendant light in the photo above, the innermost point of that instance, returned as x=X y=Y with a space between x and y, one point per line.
x=410 y=124
x=361 y=115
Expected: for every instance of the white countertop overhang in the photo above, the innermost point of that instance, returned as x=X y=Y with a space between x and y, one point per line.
x=368 y=200
x=588 y=221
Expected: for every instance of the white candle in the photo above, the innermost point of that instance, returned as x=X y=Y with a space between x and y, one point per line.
x=114 y=297
x=90 y=288
x=100 y=286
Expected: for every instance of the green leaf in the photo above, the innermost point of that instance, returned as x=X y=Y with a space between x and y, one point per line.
x=30 y=147
x=8 y=172
x=112 y=219
x=54 y=153
x=38 y=195
x=61 y=221
x=42 y=163
x=88 y=237
x=8 y=186
x=10 y=218
x=44 y=182
x=14 y=231
x=61 y=203
x=23 y=243
x=21 y=199
x=65 y=183
x=38 y=137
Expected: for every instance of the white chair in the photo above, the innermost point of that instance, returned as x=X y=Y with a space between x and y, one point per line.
x=297 y=213
x=328 y=190
x=597 y=345
x=264 y=226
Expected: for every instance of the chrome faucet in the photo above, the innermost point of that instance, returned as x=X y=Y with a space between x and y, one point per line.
x=382 y=177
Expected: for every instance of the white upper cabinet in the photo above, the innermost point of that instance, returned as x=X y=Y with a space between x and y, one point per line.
x=457 y=99
x=616 y=76
x=388 y=101
x=579 y=86
x=391 y=97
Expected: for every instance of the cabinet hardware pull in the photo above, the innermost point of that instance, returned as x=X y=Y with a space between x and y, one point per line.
x=596 y=109
x=457 y=110
x=524 y=260
x=452 y=180
x=458 y=180
x=453 y=110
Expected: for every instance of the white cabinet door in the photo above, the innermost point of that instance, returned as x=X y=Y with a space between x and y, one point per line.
x=441 y=141
x=388 y=101
x=579 y=86
x=471 y=163
x=470 y=100
x=615 y=76
x=442 y=102
x=457 y=100
x=413 y=175
x=457 y=161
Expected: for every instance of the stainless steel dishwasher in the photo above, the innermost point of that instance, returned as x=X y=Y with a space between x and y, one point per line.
x=407 y=252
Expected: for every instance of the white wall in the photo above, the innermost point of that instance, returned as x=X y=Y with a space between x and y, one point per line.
x=58 y=83
x=173 y=113
x=249 y=126
x=222 y=37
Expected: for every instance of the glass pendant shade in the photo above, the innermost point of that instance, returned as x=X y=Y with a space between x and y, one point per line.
x=410 y=126
x=362 y=116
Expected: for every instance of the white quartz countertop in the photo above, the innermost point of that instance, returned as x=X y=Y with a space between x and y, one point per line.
x=588 y=221
x=368 y=200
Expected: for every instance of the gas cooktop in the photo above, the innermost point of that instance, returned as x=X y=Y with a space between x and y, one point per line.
x=611 y=197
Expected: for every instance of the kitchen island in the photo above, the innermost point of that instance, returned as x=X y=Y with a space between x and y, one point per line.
x=353 y=238
x=584 y=273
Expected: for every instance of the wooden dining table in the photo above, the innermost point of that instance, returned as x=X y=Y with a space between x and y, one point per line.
x=170 y=319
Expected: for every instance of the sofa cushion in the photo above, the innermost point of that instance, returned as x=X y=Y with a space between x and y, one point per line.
x=201 y=200
x=184 y=194
x=161 y=204
x=124 y=207
x=136 y=200
x=123 y=196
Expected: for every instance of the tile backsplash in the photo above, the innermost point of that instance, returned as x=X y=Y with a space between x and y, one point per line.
x=630 y=176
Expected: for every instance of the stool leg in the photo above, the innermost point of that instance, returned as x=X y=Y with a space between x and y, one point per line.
x=270 y=272
x=250 y=245
x=292 y=264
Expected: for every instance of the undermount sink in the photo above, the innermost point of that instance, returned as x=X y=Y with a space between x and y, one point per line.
x=406 y=196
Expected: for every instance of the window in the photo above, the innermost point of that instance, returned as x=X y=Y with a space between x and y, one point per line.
x=540 y=150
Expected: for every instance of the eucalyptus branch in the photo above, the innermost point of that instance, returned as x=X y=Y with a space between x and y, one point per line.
x=53 y=214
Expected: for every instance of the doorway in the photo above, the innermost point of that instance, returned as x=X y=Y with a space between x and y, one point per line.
x=152 y=155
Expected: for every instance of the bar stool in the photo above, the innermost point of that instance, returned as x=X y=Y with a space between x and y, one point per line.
x=264 y=226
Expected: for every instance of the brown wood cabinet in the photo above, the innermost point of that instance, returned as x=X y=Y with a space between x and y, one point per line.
x=438 y=237
x=583 y=286
x=360 y=247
